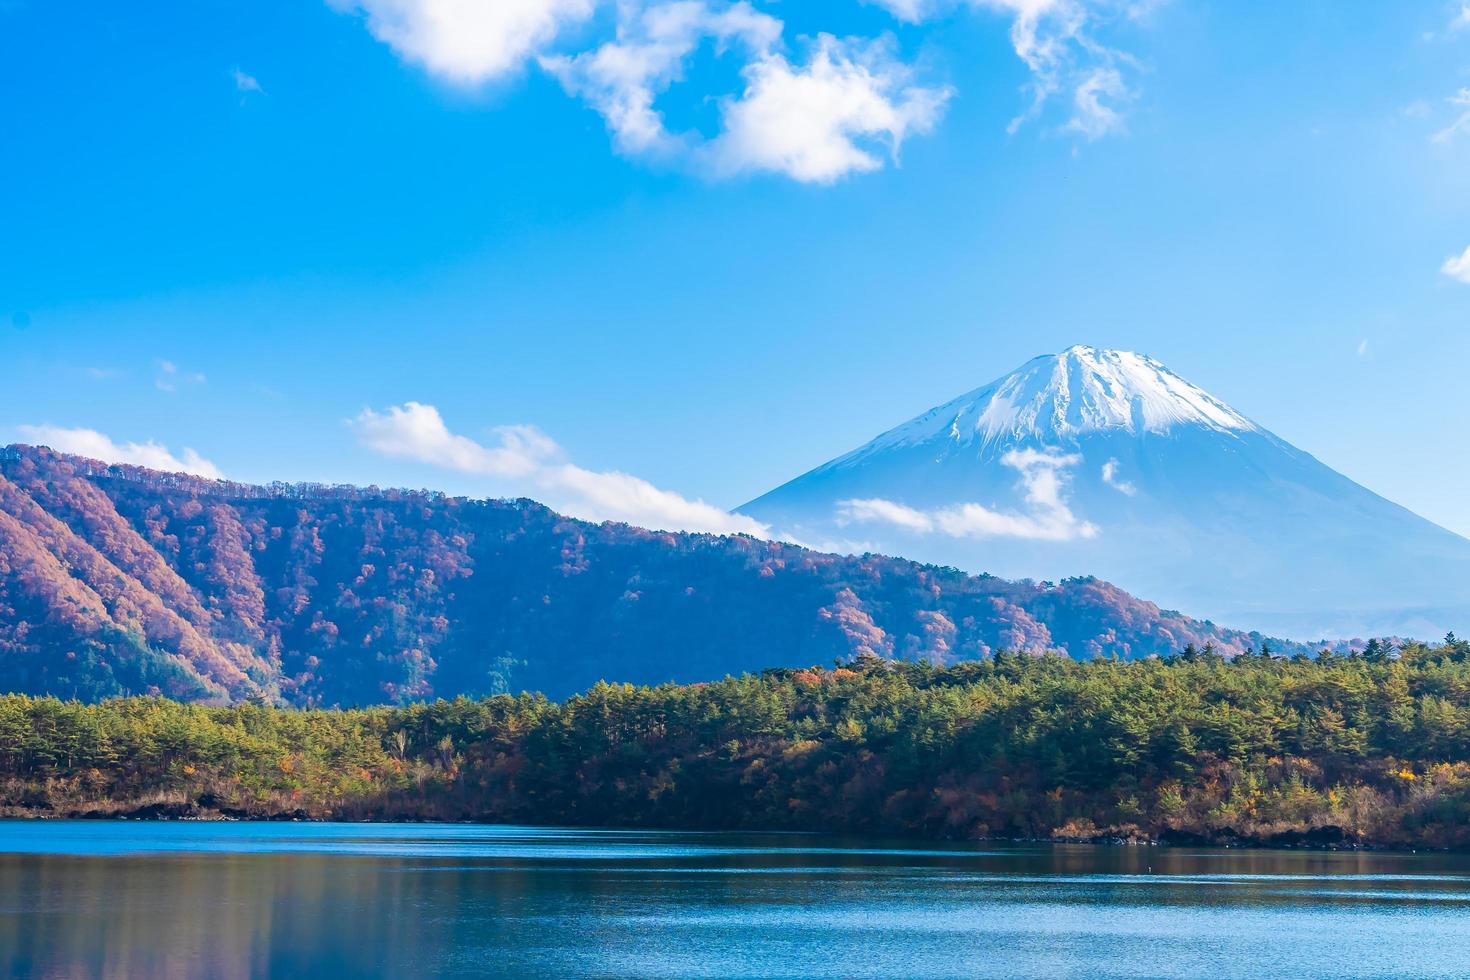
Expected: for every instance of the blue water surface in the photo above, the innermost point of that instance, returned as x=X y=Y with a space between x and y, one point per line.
x=201 y=899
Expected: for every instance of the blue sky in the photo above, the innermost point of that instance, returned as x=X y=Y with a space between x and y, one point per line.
x=259 y=230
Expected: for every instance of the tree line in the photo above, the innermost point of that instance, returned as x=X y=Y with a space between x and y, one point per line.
x=1371 y=748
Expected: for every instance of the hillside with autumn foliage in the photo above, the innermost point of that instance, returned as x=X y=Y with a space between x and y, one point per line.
x=117 y=579
x=1370 y=749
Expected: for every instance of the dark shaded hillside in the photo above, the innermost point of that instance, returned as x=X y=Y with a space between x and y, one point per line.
x=117 y=579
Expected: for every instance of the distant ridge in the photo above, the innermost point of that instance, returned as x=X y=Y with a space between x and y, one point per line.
x=119 y=579
x=1107 y=463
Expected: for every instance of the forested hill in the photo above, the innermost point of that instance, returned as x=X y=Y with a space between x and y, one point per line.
x=117 y=579
x=1372 y=749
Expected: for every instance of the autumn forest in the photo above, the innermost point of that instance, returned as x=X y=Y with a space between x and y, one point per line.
x=1369 y=749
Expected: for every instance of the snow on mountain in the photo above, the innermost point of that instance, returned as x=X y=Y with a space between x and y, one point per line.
x=1105 y=462
x=1065 y=395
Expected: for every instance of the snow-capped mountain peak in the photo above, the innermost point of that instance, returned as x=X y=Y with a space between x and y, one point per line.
x=1058 y=397
x=1103 y=462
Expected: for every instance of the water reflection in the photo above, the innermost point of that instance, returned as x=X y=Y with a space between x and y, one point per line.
x=239 y=900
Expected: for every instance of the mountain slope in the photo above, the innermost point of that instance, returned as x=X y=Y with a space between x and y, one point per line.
x=1106 y=463
x=116 y=578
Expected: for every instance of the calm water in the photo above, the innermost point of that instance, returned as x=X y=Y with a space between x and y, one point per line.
x=340 y=900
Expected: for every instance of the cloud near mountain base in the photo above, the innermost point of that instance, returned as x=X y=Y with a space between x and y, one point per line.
x=94 y=445
x=525 y=457
x=1047 y=516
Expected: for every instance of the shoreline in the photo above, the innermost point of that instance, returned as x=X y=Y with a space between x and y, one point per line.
x=1317 y=839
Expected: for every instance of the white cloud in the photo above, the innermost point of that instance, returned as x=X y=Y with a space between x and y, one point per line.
x=525 y=454
x=416 y=431
x=1363 y=347
x=469 y=42
x=1053 y=38
x=876 y=509
x=1110 y=477
x=245 y=84
x=821 y=121
x=908 y=11
x=1092 y=116
x=814 y=122
x=1458 y=267
x=1461 y=102
x=95 y=445
x=847 y=107
x=1461 y=19
x=622 y=78
x=610 y=495
x=170 y=377
x=1056 y=40
x=1048 y=516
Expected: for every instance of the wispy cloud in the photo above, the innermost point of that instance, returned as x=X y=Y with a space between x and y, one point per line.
x=877 y=510
x=1047 y=517
x=246 y=84
x=1457 y=267
x=1111 y=474
x=908 y=11
x=1096 y=101
x=95 y=445
x=1460 y=102
x=623 y=78
x=1461 y=20
x=1363 y=347
x=169 y=377
x=1058 y=41
x=524 y=456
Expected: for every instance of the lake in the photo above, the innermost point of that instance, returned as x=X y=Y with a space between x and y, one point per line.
x=137 y=899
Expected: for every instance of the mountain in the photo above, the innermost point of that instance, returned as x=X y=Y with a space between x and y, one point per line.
x=117 y=579
x=1106 y=463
